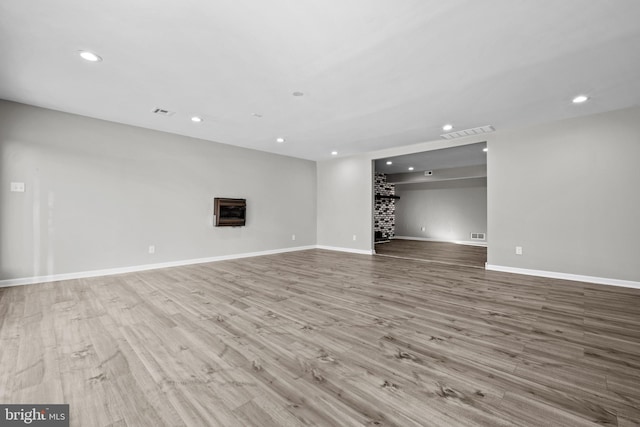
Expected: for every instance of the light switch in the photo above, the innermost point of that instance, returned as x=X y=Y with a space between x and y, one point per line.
x=17 y=187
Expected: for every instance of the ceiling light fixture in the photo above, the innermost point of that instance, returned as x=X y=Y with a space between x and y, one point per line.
x=334 y=153
x=389 y=162
x=89 y=56
x=280 y=140
x=196 y=119
x=410 y=168
x=580 y=99
x=447 y=127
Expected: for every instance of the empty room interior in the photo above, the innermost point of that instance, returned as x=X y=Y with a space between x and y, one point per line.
x=294 y=213
x=432 y=205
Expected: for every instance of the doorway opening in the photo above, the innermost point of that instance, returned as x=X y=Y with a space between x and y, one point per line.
x=432 y=206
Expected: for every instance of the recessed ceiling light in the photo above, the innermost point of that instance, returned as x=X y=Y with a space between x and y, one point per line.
x=280 y=140
x=410 y=168
x=334 y=153
x=389 y=162
x=90 y=56
x=485 y=149
x=196 y=119
x=580 y=99
x=298 y=93
x=447 y=127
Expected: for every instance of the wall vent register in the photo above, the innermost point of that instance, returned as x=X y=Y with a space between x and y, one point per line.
x=478 y=236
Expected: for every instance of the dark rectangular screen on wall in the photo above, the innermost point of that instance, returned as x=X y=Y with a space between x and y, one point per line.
x=229 y=212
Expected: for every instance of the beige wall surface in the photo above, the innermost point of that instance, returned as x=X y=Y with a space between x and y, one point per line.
x=448 y=210
x=345 y=198
x=98 y=194
x=568 y=193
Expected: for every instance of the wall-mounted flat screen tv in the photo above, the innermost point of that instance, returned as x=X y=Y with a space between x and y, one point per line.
x=229 y=212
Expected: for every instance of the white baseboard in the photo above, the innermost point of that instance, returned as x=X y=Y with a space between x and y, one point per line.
x=135 y=268
x=565 y=276
x=428 y=239
x=353 y=251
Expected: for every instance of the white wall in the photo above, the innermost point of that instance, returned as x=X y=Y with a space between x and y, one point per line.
x=345 y=195
x=568 y=193
x=345 y=203
x=99 y=193
x=448 y=210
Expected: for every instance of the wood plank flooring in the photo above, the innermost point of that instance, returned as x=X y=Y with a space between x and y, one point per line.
x=320 y=338
x=444 y=252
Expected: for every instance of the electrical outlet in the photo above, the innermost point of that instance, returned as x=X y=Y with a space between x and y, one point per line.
x=152 y=249
x=423 y=229
x=354 y=237
x=293 y=237
x=518 y=250
x=17 y=187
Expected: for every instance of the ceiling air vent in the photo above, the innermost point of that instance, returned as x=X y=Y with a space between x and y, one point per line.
x=468 y=132
x=162 y=112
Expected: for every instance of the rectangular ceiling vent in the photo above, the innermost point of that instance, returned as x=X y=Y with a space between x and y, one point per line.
x=478 y=236
x=468 y=132
x=162 y=112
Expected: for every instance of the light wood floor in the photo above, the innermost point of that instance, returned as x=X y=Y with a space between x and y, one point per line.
x=444 y=252
x=326 y=339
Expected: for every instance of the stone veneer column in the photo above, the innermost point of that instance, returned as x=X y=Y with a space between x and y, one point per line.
x=384 y=210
